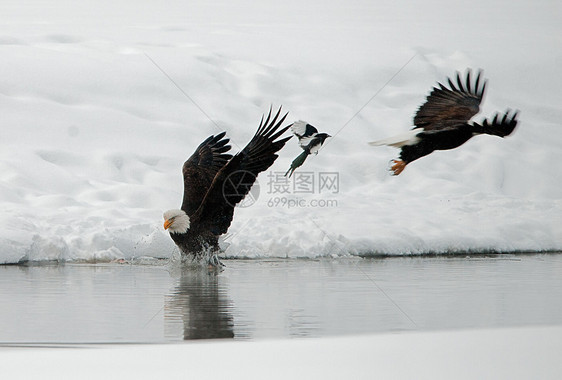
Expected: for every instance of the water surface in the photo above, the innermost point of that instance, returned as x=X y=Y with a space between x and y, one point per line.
x=158 y=302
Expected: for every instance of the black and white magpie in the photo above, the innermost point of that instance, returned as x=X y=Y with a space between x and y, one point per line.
x=309 y=140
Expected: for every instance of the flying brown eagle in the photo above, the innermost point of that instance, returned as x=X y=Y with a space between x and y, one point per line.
x=442 y=122
x=214 y=182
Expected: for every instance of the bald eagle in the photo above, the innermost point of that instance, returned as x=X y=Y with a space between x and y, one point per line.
x=442 y=122
x=214 y=182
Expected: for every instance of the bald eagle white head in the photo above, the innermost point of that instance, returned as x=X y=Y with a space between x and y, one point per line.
x=176 y=221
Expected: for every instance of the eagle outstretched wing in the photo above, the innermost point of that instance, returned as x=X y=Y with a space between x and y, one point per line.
x=499 y=125
x=233 y=182
x=201 y=168
x=456 y=105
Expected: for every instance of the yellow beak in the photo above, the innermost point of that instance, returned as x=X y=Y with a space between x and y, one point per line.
x=167 y=224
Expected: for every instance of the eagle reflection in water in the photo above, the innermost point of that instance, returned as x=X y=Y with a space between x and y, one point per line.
x=200 y=303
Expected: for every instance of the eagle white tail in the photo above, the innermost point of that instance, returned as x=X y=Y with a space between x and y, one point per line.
x=398 y=141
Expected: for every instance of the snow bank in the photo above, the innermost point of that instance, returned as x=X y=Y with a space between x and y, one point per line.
x=94 y=134
x=525 y=353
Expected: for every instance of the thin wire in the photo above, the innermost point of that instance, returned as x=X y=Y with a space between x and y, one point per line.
x=185 y=94
x=372 y=97
x=387 y=296
x=154 y=316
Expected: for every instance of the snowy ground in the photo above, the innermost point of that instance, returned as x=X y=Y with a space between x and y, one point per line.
x=94 y=133
x=527 y=353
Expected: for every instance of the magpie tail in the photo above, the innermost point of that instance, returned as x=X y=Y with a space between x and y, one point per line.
x=297 y=162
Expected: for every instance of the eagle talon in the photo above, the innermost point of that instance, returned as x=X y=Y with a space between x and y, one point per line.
x=398 y=167
x=215 y=262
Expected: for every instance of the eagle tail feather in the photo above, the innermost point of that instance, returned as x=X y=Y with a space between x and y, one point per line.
x=398 y=141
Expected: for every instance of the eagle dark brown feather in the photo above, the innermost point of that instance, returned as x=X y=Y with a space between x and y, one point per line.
x=201 y=168
x=234 y=181
x=457 y=104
